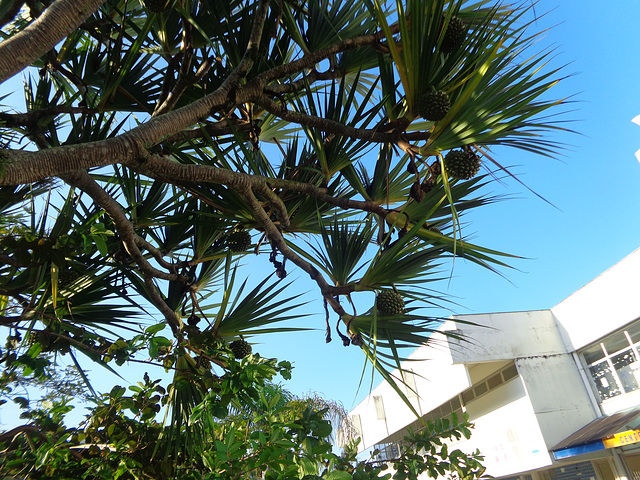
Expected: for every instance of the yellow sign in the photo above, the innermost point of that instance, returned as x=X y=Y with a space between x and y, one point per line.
x=621 y=439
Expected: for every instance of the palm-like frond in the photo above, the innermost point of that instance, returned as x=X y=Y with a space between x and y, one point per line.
x=159 y=119
x=255 y=312
x=343 y=247
x=498 y=94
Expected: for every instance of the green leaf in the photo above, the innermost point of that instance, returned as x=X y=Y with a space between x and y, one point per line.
x=117 y=391
x=153 y=329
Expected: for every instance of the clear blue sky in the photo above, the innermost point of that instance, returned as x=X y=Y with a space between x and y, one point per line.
x=594 y=188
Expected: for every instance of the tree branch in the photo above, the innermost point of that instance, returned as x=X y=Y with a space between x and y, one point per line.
x=59 y=20
x=251 y=53
x=325 y=124
x=227 y=126
x=14 y=432
x=277 y=240
x=84 y=182
x=311 y=77
x=183 y=81
x=32 y=117
x=312 y=59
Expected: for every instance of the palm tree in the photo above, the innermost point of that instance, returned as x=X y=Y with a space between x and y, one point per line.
x=162 y=141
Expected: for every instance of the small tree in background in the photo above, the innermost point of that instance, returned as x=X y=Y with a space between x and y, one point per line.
x=162 y=141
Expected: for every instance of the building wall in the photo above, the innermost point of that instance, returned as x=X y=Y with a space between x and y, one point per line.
x=437 y=380
x=558 y=395
x=602 y=306
x=505 y=336
x=506 y=431
x=560 y=399
x=518 y=421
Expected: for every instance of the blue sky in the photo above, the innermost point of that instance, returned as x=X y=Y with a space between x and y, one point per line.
x=593 y=188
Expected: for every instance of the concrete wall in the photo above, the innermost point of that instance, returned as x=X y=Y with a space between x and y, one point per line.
x=506 y=336
x=559 y=398
x=557 y=394
x=604 y=305
x=557 y=401
x=437 y=380
x=506 y=431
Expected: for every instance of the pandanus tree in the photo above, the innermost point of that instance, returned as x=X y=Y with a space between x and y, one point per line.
x=163 y=141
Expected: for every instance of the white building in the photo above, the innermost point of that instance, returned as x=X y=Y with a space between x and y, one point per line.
x=554 y=394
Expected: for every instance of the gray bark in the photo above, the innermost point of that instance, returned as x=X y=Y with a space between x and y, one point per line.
x=57 y=21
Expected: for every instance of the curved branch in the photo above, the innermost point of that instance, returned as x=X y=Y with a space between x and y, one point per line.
x=4 y=320
x=312 y=59
x=87 y=184
x=325 y=124
x=251 y=53
x=20 y=167
x=32 y=117
x=14 y=432
x=227 y=126
x=275 y=201
x=58 y=20
x=185 y=67
x=322 y=195
x=160 y=168
x=276 y=239
x=311 y=77
x=157 y=254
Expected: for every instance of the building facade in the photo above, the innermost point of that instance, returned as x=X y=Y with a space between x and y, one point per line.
x=554 y=394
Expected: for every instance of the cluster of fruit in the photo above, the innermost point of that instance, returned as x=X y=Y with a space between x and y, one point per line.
x=239 y=241
x=434 y=106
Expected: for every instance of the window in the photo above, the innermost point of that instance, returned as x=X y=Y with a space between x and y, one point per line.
x=480 y=389
x=377 y=401
x=494 y=381
x=613 y=363
x=386 y=451
x=510 y=372
x=445 y=410
x=410 y=383
x=357 y=425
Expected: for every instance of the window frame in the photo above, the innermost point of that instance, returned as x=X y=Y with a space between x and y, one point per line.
x=608 y=357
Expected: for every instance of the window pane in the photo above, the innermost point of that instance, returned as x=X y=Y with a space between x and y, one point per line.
x=625 y=364
x=510 y=372
x=377 y=401
x=604 y=381
x=593 y=354
x=634 y=332
x=467 y=395
x=410 y=383
x=494 y=381
x=615 y=343
x=480 y=389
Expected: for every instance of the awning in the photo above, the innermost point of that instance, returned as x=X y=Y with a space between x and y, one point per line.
x=605 y=432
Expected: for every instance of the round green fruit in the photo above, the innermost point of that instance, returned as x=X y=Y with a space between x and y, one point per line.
x=433 y=105
x=462 y=164
x=240 y=348
x=453 y=35
x=239 y=241
x=389 y=303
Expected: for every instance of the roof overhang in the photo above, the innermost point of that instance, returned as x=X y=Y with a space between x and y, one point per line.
x=610 y=431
